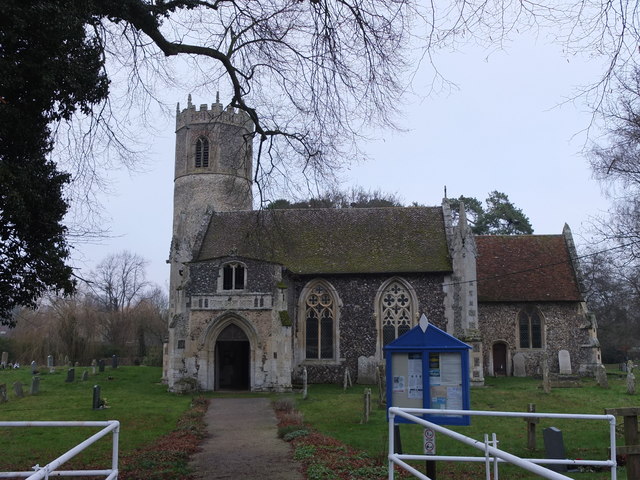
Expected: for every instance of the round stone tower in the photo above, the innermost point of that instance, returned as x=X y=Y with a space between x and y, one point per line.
x=213 y=170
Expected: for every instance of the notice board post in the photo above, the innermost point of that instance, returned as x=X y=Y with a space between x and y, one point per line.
x=428 y=368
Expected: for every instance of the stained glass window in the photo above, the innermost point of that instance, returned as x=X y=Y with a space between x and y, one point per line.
x=396 y=312
x=319 y=323
x=530 y=328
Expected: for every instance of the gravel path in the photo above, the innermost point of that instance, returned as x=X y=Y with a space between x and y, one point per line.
x=243 y=443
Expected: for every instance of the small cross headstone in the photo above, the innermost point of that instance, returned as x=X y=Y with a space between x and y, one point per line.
x=519 y=369
x=5 y=359
x=85 y=375
x=564 y=359
x=35 y=386
x=554 y=447
x=531 y=427
x=71 y=375
x=601 y=376
x=101 y=365
x=94 y=364
x=96 y=403
x=114 y=361
x=3 y=393
x=17 y=389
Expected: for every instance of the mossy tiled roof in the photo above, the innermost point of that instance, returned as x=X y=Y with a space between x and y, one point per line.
x=316 y=241
x=525 y=268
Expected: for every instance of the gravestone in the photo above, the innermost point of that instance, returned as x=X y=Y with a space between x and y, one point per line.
x=630 y=366
x=66 y=360
x=346 y=382
x=5 y=359
x=17 y=389
x=631 y=383
x=3 y=393
x=96 y=402
x=71 y=375
x=85 y=375
x=554 y=447
x=35 y=386
x=601 y=376
x=34 y=367
x=101 y=365
x=94 y=364
x=50 y=364
x=367 y=370
x=114 y=361
x=77 y=364
x=564 y=359
x=519 y=369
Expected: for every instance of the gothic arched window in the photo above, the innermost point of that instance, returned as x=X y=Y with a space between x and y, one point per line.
x=202 y=152
x=234 y=276
x=320 y=315
x=396 y=311
x=530 y=328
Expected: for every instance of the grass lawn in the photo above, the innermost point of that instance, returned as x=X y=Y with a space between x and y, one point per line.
x=582 y=439
x=134 y=396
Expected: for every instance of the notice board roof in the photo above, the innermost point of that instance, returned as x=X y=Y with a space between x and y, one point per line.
x=430 y=339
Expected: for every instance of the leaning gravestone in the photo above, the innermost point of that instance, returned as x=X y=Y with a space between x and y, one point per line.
x=85 y=375
x=564 y=359
x=35 y=386
x=5 y=359
x=71 y=375
x=101 y=365
x=519 y=369
x=601 y=376
x=3 y=393
x=367 y=370
x=17 y=389
x=554 y=448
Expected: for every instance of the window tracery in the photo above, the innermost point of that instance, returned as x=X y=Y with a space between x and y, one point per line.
x=397 y=312
x=319 y=323
x=202 y=153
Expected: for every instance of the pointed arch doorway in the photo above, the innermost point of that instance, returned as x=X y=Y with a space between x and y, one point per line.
x=232 y=359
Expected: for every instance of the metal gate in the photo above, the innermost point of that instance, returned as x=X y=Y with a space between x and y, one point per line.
x=492 y=455
x=50 y=469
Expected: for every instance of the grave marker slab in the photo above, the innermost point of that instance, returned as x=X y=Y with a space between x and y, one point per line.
x=519 y=369
x=564 y=359
x=35 y=386
x=601 y=376
x=96 y=402
x=367 y=370
x=3 y=393
x=5 y=359
x=34 y=367
x=101 y=365
x=554 y=447
x=114 y=361
x=17 y=389
x=71 y=375
x=85 y=375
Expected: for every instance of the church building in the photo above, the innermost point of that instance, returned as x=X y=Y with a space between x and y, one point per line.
x=258 y=295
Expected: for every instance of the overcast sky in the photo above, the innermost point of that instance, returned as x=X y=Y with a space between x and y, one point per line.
x=507 y=127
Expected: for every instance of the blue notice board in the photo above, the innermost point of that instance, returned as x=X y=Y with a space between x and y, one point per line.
x=428 y=368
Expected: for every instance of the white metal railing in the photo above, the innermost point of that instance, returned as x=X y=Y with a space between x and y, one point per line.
x=49 y=470
x=492 y=454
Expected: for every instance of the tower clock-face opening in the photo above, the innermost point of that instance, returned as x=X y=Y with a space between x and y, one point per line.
x=232 y=360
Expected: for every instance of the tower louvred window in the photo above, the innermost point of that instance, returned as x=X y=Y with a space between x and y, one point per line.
x=202 y=152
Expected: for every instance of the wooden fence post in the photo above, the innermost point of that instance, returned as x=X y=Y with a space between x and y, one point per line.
x=631 y=447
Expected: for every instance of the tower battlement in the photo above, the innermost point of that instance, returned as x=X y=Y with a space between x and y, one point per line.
x=216 y=114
